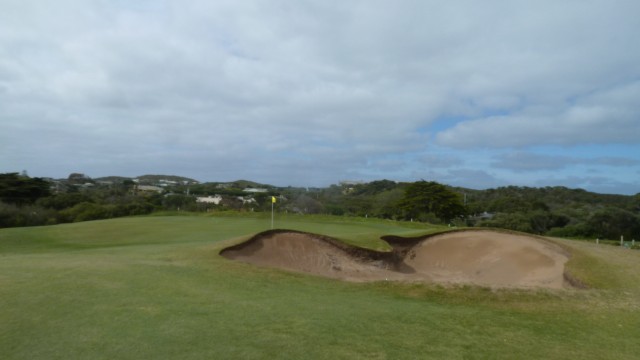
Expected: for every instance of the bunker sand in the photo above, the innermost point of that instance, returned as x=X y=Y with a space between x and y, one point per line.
x=479 y=257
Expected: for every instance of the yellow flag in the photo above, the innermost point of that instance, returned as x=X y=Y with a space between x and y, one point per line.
x=273 y=199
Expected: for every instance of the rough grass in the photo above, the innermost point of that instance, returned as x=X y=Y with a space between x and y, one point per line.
x=155 y=287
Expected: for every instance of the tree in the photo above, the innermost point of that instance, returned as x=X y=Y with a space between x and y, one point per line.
x=374 y=187
x=518 y=221
x=20 y=190
x=611 y=223
x=424 y=197
x=64 y=201
x=385 y=204
x=307 y=205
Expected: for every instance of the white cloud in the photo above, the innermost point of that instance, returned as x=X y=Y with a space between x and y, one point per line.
x=332 y=88
x=607 y=116
x=470 y=178
x=521 y=161
x=532 y=162
x=600 y=184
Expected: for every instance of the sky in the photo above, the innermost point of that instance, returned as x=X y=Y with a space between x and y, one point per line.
x=478 y=94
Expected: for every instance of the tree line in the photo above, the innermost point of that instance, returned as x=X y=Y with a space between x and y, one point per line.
x=555 y=211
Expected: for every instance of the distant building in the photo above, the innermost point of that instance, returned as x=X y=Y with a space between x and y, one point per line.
x=255 y=190
x=165 y=183
x=483 y=216
x=148 y=189
x=247 y=200
x=216 y=199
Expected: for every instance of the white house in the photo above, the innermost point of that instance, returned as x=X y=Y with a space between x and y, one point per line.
x=247 y=200
x=255 y=190
x=210 y=199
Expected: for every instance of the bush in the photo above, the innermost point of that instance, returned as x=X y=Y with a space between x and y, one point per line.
x=85 y=211
x=64 y=201
x=612 y=223
x=14 y=216
x=516 y=221
x=570 y=231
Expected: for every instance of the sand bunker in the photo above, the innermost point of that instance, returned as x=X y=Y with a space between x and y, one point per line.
x=480 y=257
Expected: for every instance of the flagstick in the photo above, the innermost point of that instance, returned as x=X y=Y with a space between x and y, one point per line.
x=272 y=215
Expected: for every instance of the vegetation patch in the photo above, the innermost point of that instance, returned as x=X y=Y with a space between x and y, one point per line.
x=551 y=211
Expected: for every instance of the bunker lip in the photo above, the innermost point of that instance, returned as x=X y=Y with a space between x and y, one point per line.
x=480 y=257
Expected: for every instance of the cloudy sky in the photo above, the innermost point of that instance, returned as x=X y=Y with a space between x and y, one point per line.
x=307 y=93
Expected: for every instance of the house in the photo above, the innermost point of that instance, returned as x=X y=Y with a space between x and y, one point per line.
x=483 y=216
x=216 y=199
x=255 y=190
x=247 y=200
x=164 y=182
x=148 y=189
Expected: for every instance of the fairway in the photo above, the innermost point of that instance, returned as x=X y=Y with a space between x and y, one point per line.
x=156 y=287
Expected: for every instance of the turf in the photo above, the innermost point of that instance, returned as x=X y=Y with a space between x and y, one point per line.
x=155 y=287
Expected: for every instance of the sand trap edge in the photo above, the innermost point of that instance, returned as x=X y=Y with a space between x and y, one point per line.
x=401 y=245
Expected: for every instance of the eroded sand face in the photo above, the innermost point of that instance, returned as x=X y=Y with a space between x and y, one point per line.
x=307 y=253
x=486 y=258
x=490 y=259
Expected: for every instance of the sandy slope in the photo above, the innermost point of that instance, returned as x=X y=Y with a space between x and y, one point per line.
x=486 y=258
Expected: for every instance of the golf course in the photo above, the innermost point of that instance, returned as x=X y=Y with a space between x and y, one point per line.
x=156 y=287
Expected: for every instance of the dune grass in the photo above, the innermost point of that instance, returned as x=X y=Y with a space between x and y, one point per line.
x=155 y=287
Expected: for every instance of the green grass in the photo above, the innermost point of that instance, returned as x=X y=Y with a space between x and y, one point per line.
x=155 y=287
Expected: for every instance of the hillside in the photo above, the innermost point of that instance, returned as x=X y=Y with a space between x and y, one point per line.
x=556 y=211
